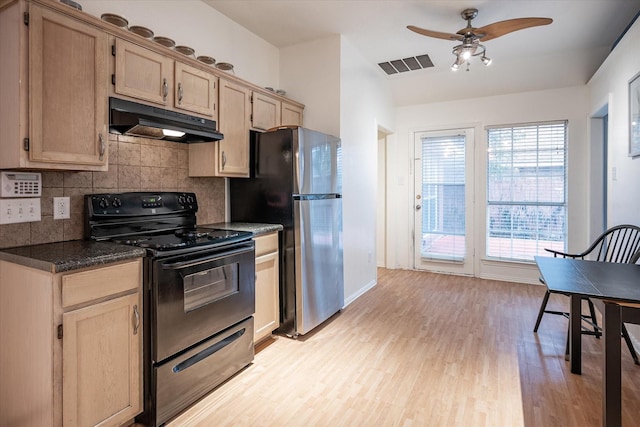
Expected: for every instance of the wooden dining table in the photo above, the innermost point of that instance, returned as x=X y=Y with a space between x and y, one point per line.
x=618 y=286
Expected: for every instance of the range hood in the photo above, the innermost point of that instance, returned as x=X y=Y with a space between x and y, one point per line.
x=133 y=119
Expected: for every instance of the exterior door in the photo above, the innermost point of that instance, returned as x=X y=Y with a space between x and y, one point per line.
x=443 y=201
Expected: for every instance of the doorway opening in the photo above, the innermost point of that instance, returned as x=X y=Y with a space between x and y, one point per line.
x=381 y=200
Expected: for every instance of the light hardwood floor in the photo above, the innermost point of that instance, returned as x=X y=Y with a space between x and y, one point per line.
x=423 y=349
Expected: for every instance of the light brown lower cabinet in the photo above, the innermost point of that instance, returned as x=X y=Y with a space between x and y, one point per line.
x=267 y=316
x=71 y=352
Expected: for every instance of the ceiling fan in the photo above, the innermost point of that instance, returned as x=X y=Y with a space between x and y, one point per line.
x=471 y=36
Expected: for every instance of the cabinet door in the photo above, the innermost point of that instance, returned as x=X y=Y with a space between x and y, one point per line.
x=265 y=111
x=291 y=115
x=143 y=74
x=232 y=154
x=102 y=363
x=195 y=90
x=266 y=317
x=68 y=91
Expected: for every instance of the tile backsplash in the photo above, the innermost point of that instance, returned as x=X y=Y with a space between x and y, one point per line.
x=135 y=164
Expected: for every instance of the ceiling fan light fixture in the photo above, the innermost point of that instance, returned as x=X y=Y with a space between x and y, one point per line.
x=468 y=49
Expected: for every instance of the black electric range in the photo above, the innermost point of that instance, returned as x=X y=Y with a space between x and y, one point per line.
x=198 y=294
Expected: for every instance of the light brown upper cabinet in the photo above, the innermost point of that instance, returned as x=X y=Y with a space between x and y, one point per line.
x=195 y=90
x=142 y=74
x=265 y=111
x=230 y=156
x=53 y=80
x=291 y=115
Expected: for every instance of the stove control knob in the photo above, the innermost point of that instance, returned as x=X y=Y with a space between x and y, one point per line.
x=181 y=199
x=103 y=203
x=116 y=202
x=190 y=199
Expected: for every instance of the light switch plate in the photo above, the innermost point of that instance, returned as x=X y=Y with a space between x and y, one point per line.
x=19 y=210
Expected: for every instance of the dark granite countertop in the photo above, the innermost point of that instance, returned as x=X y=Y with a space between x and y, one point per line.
x=255 y=228
x=71 y=255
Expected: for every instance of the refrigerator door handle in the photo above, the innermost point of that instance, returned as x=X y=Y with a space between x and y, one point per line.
x=316 y=196
x=300 y=172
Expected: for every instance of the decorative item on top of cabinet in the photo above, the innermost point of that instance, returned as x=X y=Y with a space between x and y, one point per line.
x=53 y=80
x=267 y=316
x=230 y=156
x=82 y=332
x=265 y=112
x=291 y=115
x=143 y=74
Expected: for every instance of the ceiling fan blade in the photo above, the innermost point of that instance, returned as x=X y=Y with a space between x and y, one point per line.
x=501 y=28
x=436 y=34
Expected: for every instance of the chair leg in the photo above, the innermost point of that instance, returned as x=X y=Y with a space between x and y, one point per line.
x=566 y=348
x=632 y=350
x=592 y=313
x=543 y=306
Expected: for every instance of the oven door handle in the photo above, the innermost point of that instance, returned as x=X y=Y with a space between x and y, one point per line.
x=202 y=260
x=207 y=352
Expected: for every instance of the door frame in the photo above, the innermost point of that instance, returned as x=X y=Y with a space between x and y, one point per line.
x=468 y=266
x=381 y=200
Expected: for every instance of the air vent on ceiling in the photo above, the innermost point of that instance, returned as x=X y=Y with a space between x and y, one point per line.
x=406 y=64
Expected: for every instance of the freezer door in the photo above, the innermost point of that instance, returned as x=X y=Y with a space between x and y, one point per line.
x=319 y=266
x=317 y=163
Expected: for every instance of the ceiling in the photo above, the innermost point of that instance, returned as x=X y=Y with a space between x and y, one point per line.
x=565 y=53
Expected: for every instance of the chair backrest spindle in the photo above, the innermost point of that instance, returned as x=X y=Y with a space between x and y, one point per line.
x=618 y=244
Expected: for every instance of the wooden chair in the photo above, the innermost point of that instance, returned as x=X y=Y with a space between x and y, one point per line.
x=618 y=244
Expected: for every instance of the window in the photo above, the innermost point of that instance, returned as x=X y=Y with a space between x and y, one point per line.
x=526 y=190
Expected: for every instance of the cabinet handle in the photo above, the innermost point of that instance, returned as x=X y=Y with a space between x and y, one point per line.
x=179 y=93
x=165 y=89
x=136 y=319
x=224 y=159
x=103 y=146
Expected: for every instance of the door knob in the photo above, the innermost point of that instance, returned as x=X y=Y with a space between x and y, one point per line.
x=418 y=207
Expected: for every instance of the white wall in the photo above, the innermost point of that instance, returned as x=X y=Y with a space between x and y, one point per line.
x=611 y=82
x=310 y=73
x=210 y=33
x=557 y=104
x=365 y=104
x=344 y=95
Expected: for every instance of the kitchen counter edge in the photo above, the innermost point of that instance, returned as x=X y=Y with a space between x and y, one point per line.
x=255 y=228
x=70 y=255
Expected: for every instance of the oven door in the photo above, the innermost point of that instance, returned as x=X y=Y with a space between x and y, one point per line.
x=198 y=295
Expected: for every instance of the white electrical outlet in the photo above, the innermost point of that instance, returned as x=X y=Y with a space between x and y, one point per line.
x=19 y=210
x=61 y=208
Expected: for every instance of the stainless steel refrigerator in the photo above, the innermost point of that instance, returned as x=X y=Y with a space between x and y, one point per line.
x=296 y=181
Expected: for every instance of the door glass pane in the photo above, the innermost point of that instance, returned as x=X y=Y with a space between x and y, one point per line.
x=443 y=198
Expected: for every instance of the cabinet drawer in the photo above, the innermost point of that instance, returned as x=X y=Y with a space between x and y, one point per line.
x=266 y=243
x=90 y=285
